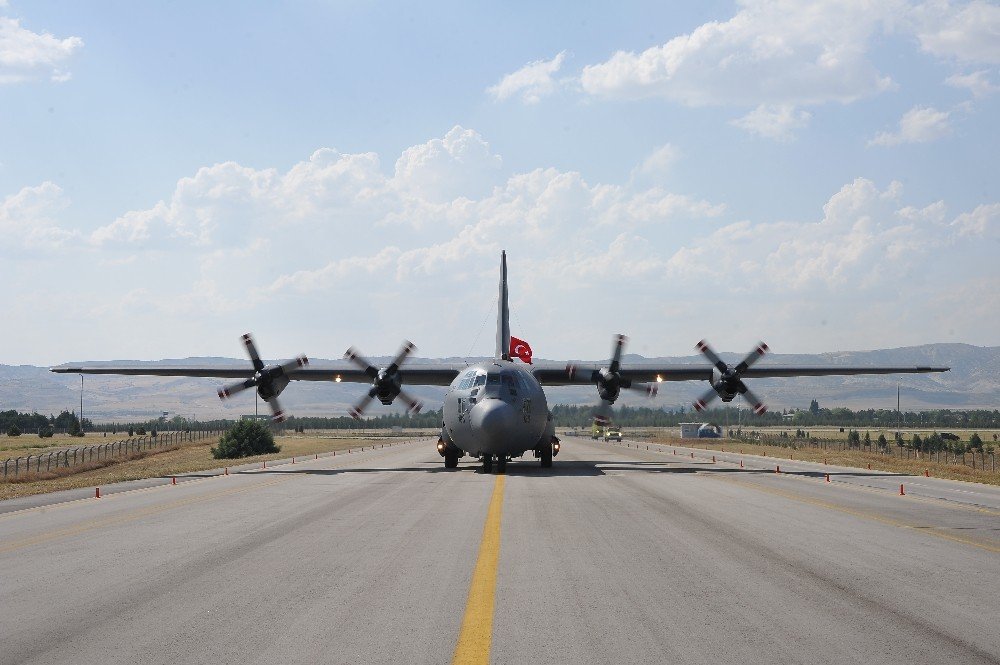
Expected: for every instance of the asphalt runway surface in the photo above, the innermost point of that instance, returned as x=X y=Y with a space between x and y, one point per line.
x=616 y=554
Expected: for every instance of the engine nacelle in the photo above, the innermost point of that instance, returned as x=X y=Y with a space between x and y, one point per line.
x=271 y=382
x=387 y=386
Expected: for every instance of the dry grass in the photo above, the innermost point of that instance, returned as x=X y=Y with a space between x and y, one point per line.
x=189 y=458
x=853 y=458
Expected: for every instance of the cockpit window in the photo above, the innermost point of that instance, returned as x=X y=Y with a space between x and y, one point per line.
x=481 y=380
x=509 y=386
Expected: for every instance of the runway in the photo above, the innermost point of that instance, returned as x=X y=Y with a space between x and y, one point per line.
x=616 y=554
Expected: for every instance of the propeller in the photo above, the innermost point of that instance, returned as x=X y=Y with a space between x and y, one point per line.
x=608 y=380
x=269 y=380
x=386 y=382
x=727 y=382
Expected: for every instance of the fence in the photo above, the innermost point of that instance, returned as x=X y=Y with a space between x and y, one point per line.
x=976 y=459
x=16 y=466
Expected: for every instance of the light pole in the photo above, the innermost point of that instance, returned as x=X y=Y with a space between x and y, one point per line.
x=81 y=404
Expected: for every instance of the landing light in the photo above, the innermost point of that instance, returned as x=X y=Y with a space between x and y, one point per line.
x=659 y=379
x=337 y=378
x=440 y=447
x=555 y=447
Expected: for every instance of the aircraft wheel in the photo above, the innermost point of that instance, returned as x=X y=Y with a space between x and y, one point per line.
x=501 y=465
x=546 y=456
x=450 y=459
x=488 y=464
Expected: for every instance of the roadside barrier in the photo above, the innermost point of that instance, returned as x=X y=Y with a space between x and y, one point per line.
x=14 y=467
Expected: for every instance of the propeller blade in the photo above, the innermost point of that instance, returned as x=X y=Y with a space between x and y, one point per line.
x=713 y=358
x=406 y=349
x=258 y=364
x=413 y=405
x=277 y=413
x=358 y=409
x=354 y=356
x=238 y=387
x=752 y=357
x=702 y=402
x=648 y=389
x=758 y=406
x=617 y=349
x=603 y=413
x=294 y=364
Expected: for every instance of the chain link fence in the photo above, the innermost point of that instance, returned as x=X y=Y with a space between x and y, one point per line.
x=14 y=467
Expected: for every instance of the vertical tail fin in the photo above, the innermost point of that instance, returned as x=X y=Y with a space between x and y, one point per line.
x=503 y=314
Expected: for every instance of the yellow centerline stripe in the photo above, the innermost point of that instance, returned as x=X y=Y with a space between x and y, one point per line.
x=931 y=531
x=476 y=636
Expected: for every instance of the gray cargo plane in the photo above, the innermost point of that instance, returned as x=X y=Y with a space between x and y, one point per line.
x=496 y=410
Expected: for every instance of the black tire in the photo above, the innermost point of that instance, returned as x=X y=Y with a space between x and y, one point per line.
x=450 y=459
x=488 y=464
x=546 y=456
x=501 y=465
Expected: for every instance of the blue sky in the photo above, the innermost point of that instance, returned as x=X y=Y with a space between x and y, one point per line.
x=820 y=175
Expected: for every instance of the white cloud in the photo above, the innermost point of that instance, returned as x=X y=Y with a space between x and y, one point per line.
x=983 y=221
x=918 y=125
x=769 y=52
x=27 y=55
x=969 y=32
x=978 y=83
x=324 y=245
x=531 y=82
x=27 y=220
x=777 y=122
x=460 y=164
x=658 y=163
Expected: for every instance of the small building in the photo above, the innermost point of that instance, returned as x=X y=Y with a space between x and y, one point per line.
x=700 y=431
x=690 y=430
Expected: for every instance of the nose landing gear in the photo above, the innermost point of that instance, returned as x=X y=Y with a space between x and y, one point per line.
x=500 y=460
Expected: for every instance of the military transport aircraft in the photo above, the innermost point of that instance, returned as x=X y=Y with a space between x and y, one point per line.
x=496 y=410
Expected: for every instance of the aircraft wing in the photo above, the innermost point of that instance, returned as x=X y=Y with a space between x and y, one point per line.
x=424 y=374
x=553 y=374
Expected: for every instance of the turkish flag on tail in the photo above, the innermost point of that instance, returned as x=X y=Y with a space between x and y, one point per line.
x=520 y=349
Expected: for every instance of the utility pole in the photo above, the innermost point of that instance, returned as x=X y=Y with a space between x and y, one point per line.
x=81 y=404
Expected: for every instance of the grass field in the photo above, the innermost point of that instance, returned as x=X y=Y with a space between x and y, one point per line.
x=853 y=458
x=184 y=459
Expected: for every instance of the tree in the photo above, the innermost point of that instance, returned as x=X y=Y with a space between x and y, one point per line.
x=975 y=442
x=13 y=430
x=74 y=428
x=245 y=439
x=916 y=443
x=45 y=432
x=814 y=407
x=883 y=443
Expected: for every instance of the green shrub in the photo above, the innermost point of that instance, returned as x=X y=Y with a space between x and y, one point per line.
x=45 y=433
x=245 y=439
x=141 y=431
x=13 y=430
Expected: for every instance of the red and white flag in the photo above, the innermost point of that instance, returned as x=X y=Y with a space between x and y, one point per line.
x=520 y=349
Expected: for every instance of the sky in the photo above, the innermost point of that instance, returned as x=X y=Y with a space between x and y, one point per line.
x=822 y=176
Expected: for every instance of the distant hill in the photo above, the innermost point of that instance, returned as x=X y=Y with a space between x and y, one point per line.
x=973 y=383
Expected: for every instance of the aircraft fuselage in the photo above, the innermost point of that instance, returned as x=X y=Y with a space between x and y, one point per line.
x=498 y=409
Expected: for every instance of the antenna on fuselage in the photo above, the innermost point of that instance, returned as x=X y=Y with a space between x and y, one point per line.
x=503 y=313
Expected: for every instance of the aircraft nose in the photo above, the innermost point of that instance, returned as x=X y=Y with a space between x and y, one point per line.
x=495 y=423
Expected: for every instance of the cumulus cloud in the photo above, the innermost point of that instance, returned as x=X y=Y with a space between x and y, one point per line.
x=978 y=83
x=323 y=244
x=777 y=122
x=918 y=125
x=458 y=165
x=28 y=220
x=967 y=32
x=532 y=82
x=769 y=52
x=27 y=55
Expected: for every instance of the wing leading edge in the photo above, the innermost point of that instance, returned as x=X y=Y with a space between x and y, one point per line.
x=428 y=374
